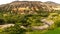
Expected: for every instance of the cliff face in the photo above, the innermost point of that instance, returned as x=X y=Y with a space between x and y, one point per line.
x=28 y=6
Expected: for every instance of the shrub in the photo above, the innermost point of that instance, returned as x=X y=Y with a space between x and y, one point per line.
x=14 y=30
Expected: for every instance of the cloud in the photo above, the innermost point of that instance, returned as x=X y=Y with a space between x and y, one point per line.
x=8 y=1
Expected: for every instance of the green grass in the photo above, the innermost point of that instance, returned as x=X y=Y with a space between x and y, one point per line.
x=55 y=31
x=37 y=32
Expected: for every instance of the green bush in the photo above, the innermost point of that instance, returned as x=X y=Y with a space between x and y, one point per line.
x=2 y=21
x=14 y=30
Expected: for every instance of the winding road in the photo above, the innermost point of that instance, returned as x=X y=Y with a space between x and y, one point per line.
x=45 y=26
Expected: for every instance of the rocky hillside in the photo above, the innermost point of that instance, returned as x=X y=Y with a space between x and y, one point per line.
x=28 y=6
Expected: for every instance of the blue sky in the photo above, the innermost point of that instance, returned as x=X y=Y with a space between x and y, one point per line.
x=8 y=1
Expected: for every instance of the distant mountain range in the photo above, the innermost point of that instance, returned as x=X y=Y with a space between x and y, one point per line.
x=29 y=6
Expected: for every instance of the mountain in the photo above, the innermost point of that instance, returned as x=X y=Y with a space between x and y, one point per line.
x=28 y=6
x=52 y=3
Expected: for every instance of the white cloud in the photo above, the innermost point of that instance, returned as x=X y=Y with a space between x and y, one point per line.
x=8 y=1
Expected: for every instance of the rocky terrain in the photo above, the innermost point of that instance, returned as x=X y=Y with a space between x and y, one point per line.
x=29 y=6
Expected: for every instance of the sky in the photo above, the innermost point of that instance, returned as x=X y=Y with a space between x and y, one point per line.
x=8 y=1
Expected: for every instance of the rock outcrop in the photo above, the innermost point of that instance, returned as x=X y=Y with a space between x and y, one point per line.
x=45 y=26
